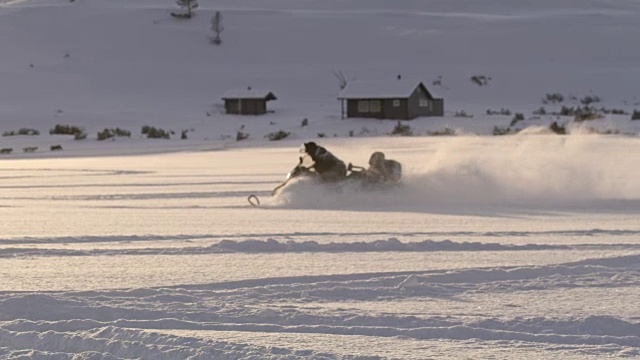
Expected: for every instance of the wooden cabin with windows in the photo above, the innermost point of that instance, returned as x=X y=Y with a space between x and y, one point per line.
x=397 y=99
x=247 y=101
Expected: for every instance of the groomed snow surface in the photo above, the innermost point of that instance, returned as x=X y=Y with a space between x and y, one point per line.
x=161 y=256
x=524 y=246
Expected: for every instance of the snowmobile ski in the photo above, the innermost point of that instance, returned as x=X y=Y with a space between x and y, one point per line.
x=253 y=200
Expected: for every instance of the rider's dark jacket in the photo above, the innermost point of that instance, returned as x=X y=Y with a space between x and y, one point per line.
x=326 y=164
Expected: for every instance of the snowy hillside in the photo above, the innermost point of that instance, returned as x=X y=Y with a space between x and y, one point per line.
x=103 y=64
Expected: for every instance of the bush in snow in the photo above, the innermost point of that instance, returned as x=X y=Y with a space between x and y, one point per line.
x=587 y=100
x=635 y=115
x=6 y=150
x=105 y=134
x=304 y=122
x=557 y=129
x=442 y=132
x=122 y=132
x=189 y=6
x=155 y=133
x=462 y=114
x=241 y=136
x=66 y=130
x=566 y=111
x=216 y=28
x=277 y=135
x=591 y=130
x=540 y=111
x=497 y=130
x=581 y=113
x=22 y=131
x=586 y=113
x=480 y=80
x=402 y=129
x=553 y=98
x=502 y=111
x=517 y=117
x=604 y=110
x=111 y=133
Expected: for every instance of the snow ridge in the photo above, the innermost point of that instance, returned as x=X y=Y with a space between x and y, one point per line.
x=179 y=321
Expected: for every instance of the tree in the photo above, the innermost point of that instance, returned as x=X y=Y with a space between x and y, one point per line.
x=342 y=81
x=189 y=5
x=216 y=27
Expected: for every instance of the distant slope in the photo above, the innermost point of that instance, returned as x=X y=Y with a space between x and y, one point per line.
x=126 y=63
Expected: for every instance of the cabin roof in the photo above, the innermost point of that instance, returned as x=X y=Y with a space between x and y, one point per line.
x=249 y=93
x=381 y=89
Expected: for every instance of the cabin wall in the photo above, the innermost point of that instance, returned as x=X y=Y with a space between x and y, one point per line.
x=377 y=108
x=245 y=106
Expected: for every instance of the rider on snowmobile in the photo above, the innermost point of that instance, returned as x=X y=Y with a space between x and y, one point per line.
x=382 y=170
x=327 y=165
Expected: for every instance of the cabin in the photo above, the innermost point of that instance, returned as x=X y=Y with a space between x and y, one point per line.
x=398 y=100
x=247 y=101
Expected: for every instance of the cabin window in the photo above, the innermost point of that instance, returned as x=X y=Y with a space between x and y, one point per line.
x=374 y=106
x=363 y=106
x=423 y=103
x=396 y=103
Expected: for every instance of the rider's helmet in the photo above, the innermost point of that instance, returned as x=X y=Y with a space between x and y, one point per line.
x=310 y=147
x=376 y=159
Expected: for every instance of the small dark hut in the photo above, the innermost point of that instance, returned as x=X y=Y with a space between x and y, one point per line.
x=247 y=101
x=398 y=99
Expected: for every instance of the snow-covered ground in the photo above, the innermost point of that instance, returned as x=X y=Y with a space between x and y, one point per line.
x=490 y=249
x=519 y=246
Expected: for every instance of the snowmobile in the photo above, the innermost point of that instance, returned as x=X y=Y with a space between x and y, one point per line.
x=356 y=175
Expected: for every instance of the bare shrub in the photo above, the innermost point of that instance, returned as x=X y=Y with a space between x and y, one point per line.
x=502 y=111
x=517 y=118
x=498 y=130
x=402 y=129
x=21 y=131
x=553 y=98
x=462 y=114
x=216 y=28
x=277 y=135
x=589 y=99
x=241 y=135
x=480 y=80
x=112 y=133
x=540 y=111
x=66 y=130
x=557 y=129
x=155 y=133
x=442 y=132
x=189 y=6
